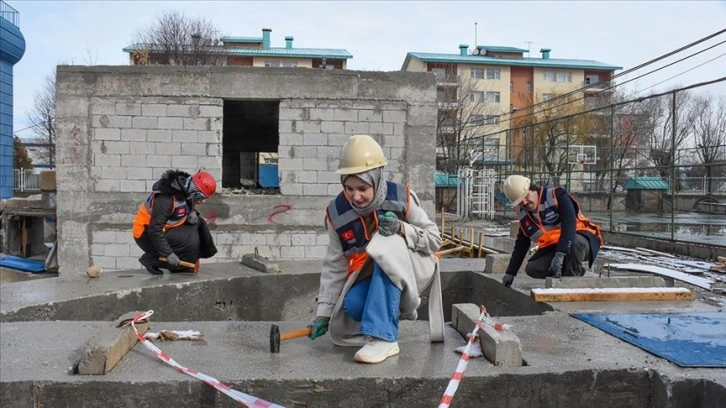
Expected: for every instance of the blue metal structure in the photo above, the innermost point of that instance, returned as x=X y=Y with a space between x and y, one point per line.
x=12 y=48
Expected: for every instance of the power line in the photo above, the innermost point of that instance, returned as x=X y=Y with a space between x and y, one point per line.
x=652 y=61
x=679 y=74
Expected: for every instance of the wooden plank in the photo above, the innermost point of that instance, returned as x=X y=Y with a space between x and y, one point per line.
x=721 y=259
x=609 y=294
x=471 y=242
x=622 y=249
x=450 y=251
x=683 y=277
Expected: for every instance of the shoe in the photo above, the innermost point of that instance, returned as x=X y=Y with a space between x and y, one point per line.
x=376 y=350
x=150 y=268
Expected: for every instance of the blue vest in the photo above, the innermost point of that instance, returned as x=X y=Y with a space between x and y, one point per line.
x=351 y=227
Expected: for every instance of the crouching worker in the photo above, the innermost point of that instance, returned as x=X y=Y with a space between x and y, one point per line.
x=168 y=224
x=380 y=257
x=551 y=218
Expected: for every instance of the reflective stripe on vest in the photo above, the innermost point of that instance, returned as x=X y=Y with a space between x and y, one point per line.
x=545 y=229
x=179 y=213
x=351 y=227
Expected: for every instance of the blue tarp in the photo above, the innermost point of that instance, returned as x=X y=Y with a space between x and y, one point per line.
x=22 y=264
x=685 y=339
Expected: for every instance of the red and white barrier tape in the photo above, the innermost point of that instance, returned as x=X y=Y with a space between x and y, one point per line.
x=244 y=399
x=464 y=360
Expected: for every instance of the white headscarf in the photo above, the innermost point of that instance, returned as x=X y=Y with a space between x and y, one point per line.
x=374 y=178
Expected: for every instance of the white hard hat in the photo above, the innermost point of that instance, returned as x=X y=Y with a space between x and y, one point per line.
x=515 y=188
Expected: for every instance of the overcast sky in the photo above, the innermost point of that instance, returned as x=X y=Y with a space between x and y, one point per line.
x=379 y=34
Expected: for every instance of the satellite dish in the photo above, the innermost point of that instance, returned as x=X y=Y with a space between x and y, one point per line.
x=475 y=51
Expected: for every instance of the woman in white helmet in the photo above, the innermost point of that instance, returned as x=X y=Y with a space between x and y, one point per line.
x=381 y=255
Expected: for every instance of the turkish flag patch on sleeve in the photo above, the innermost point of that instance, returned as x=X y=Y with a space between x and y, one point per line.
x=348 y=235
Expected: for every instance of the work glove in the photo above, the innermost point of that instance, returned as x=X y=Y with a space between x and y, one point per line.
x=507 y=280
x=318 y=327
x=556 y=265
x=173 y=260
x=389 y=224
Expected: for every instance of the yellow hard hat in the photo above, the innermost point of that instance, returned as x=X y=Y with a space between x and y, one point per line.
x=515 y=188
x=360 y=153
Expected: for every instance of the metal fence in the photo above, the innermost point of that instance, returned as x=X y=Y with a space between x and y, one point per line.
x=652 y=165
x=25 y=180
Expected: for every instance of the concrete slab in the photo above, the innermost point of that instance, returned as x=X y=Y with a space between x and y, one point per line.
x=606 y=282
x=105 y=349
x=501 y=348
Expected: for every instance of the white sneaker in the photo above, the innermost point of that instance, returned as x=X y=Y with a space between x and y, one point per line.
x=376 y=350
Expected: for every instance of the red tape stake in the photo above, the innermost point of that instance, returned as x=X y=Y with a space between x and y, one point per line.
x=244 y=399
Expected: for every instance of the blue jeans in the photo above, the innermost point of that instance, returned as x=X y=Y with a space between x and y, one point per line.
x=374 y=302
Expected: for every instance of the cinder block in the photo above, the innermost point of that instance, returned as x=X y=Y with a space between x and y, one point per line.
x=108 y=347
x=47 y=181
x=496 y=263
x=502 y=348
x=260 y=263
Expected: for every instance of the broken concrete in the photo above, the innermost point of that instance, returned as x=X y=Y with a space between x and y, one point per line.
x=500 y=347
x=104 y=350
x=260 y=263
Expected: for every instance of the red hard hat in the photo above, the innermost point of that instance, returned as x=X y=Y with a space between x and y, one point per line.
x=205 y=183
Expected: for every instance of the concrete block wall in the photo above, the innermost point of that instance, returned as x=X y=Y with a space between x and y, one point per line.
x=120 y=128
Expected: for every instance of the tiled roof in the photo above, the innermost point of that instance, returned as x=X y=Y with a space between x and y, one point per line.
x=521 y=62
x=274 y=52
x=645 y=183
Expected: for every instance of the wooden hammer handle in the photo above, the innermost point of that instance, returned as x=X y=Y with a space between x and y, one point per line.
x=182 y=263
x=295 y=334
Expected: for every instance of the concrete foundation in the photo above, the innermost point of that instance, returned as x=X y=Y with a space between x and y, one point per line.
x=45 y=326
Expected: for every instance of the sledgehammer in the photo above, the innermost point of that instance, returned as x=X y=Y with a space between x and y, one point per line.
x=276 y=337
x=193 y=266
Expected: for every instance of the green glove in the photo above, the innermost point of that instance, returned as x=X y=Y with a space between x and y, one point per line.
x=318 y=327
x=389 y=224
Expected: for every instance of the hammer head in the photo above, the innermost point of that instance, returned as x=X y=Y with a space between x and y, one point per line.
x=274 y=339
x=196 y=267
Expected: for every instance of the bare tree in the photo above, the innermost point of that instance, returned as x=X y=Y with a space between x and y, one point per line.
x=175 y=39
x=662 y=140
x=710 y=135
x=41 y=118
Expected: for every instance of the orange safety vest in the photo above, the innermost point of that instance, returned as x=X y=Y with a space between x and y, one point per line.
x=545 y=226
x=180 y=212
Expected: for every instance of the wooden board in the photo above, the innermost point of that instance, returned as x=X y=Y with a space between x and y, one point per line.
x=655 y=252
x=683 y=277
x=609 y=294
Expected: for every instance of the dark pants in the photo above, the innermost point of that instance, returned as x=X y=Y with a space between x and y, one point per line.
x=188 y=241
x=538 y=266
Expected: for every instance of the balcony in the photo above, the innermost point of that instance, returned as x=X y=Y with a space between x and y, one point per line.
x=597 y=86
x=452 y=80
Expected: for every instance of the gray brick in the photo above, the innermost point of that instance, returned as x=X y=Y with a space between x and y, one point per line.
x=290 y=189
x=321 y=114
x=291 y=164
x=144 y=122
x=141 y=148
x=194 y=149
x=332 y=127
x=278 y=239
x=292 y=252
x=366 y=115
x=210 y=111
x=138 y=173
x=133 y=135
x=181 y=162
x=399 y=129
x=315 y=189
x=303 y=239
x=394 y=116
x=381 y=128
x=197 y=124
x=97 y=249
x=132 y=186
x=113 y=173
x=319 y=139
x=333 y=189
x=133 y=160
x=303 y=176
x=337 y=139
x=128 y=108
x=290 y=139
x=396 y=153
x=210 y=163
x=158 y=161
x=285 y=126
x=106 y=134
x=315 y=252
x=209 y=136
x=345 y=115
x=177 y=110
x=107 y=185
x=291 y=114
x=393 y=141
x=106 y=160
x=357 y=128
x=158 y=135
x=129 y=263
x=304 y=151
x=153 y=109
x=167 y=149
x=116 y=147
x=329 y=177
x=184 y=136
x=106 y=262
x=170 y=123
x=315 y=164
x=116 y=250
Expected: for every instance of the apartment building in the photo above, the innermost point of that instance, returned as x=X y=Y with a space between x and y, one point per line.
x=250 y=52
x=481 y=90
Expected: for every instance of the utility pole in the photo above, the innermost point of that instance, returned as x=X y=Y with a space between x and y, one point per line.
x=475 y=34
x=529 y=45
